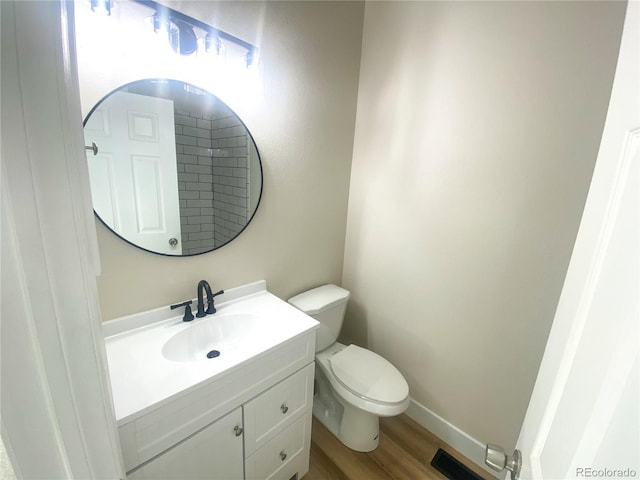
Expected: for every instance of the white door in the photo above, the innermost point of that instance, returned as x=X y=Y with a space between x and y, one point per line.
x=56 y=413
x=583 y=419
x=134 y=180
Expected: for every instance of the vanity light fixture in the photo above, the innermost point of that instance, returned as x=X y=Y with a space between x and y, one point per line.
x=101 y=5
x=248 y=58
x=183 y=38
x=182 y=35
x=160 y=22
x=212 y=42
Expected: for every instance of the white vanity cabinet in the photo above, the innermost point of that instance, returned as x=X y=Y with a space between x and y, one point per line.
x=214 y=452
x=244 y=413
x=275 y=433
x=194 y=435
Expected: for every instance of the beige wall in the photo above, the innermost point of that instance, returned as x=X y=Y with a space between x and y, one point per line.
x=476 y=134
x=477 y=130
x=303 y=125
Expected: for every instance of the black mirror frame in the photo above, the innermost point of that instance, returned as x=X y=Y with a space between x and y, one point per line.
x=126 y=85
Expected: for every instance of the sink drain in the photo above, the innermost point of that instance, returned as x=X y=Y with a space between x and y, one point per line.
x=213 y=354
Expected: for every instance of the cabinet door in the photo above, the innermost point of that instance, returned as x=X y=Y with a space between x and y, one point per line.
x=213 y=453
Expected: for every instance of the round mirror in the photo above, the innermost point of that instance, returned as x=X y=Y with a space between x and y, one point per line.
x=175 y=171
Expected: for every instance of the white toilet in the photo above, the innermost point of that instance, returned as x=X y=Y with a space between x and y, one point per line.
x=354 y=386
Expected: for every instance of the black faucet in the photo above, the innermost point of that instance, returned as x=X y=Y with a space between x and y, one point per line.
x=203 y=286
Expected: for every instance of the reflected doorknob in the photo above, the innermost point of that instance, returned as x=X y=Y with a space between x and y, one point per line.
x=173 y=242
x=496 y=458
x=93 y=147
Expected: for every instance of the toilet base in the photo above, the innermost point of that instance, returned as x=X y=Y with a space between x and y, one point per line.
x=359 y=430
x=355 y=428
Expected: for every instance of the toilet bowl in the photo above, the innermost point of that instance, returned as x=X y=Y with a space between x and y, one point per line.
x=354 y=386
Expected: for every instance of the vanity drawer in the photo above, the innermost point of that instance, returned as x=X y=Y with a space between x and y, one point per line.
x=284 y=455
x=277 y=407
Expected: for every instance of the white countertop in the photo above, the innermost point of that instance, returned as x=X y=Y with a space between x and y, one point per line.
x=142 y=379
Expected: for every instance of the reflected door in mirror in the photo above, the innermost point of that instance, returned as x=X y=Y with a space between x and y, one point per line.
x=133 y=176
x=177 y=173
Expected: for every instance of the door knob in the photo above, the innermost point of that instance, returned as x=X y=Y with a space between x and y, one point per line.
x=93 y=147
x=173 y=242
x=496 y=458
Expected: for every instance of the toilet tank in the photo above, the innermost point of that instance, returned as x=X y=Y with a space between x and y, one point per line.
x=327 y=305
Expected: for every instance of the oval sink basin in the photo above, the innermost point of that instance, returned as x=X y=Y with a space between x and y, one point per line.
x=213 y=337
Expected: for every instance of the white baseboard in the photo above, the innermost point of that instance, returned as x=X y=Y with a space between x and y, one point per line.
x=449 y=433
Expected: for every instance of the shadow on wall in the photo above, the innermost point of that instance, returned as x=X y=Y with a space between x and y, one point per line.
x=355 y=328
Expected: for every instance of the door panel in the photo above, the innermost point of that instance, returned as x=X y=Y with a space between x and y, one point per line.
x=583 y=419
x=134 y=179
x=147 y=190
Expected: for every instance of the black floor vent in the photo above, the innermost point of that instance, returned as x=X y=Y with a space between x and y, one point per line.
x=452 y=468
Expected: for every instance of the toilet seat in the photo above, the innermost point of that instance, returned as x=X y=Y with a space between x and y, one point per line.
x=369 y=376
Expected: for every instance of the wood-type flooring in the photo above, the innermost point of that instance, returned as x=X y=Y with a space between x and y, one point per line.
x=404 y=453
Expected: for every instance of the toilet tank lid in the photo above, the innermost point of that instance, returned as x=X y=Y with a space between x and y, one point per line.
x=319 y=299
